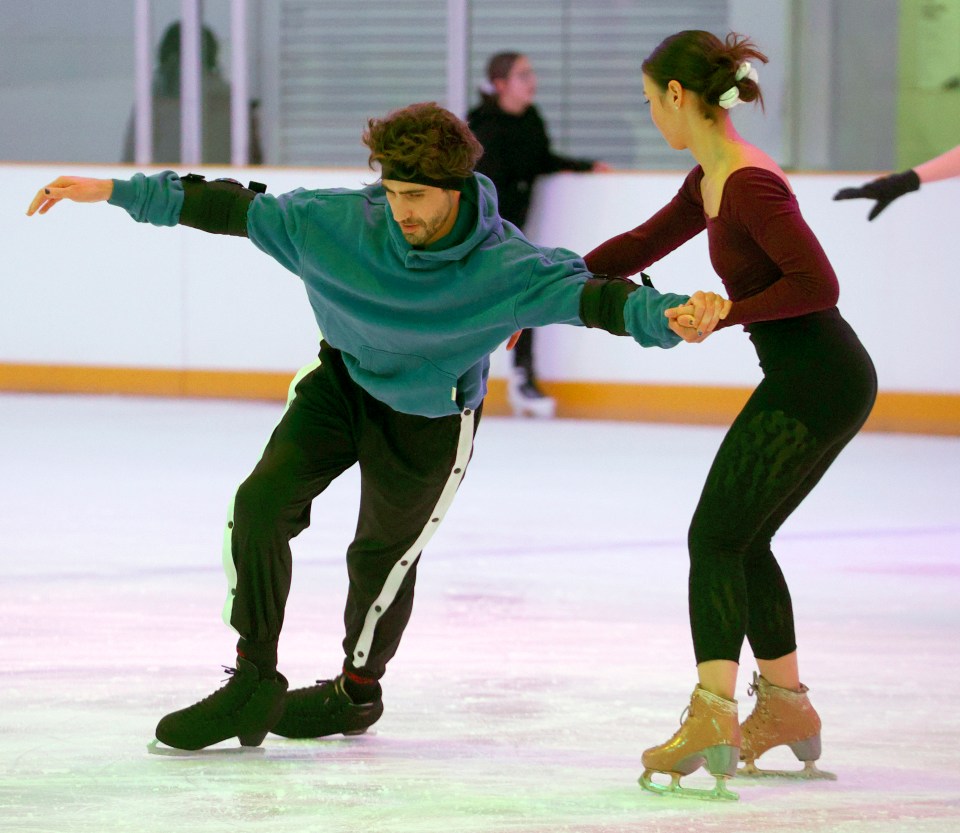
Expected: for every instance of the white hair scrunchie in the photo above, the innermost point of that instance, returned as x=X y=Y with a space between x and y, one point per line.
x=731 y=98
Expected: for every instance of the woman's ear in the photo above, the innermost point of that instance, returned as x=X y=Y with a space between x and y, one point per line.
x=674 y=95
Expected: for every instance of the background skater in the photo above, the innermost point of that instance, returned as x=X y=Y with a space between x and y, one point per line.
x=516 y=150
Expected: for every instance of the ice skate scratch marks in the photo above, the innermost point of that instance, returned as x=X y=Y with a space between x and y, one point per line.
x=305 y=561
x=909 y=568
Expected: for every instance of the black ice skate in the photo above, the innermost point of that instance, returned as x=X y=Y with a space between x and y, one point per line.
x=247 y=707
x=326 y=709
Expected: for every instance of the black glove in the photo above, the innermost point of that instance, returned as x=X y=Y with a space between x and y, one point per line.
x=884 y=190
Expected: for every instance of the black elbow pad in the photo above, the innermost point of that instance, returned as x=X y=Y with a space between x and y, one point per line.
x=218 y=207
x=602 y=301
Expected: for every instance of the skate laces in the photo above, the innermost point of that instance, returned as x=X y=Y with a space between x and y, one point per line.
x=230 y=672
x=327 y=684
x=683 y=716
x=760 y=714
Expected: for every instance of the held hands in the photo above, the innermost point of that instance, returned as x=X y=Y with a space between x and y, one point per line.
x=884 y=190
x=696 y=319
x=76 y=188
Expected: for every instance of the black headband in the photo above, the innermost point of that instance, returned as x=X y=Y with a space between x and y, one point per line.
x=450 y=183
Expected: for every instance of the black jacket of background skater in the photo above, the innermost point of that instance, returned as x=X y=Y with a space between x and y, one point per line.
x=516 y=150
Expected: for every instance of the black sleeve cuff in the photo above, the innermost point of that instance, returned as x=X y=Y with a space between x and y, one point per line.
x=602 y=301
x=218 y=207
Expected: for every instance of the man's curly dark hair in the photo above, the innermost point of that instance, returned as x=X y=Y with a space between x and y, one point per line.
x=423 y=139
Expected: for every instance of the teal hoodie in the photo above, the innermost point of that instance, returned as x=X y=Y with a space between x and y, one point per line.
x=416 y=327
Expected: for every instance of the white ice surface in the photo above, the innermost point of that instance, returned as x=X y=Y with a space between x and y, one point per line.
x=548 y=647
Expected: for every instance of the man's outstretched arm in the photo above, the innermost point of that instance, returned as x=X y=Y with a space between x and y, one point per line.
x=275 y=225
x=610 y=304
x=218 y=207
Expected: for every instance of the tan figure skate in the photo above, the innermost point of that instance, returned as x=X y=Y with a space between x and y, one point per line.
x=781 y=718
x=709 y=734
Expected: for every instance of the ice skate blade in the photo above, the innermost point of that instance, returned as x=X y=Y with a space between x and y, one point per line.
x=675 y=790
x=810 y=772
x=155 y=747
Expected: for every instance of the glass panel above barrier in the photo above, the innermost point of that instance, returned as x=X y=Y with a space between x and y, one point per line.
x=215 y=86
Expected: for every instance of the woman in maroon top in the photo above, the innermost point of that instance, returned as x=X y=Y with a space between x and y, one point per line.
x=818 y=388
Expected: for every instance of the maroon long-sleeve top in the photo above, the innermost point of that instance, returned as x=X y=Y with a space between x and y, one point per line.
x=771 y=264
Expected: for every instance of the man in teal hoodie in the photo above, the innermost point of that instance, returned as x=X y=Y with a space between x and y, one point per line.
x=414 y=282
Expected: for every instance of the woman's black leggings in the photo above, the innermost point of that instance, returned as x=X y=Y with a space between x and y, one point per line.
x=818 y=388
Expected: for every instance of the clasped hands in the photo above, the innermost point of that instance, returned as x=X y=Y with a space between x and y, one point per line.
x=696 y=319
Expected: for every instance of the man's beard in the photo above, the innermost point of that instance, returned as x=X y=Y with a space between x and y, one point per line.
x=427 y=229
